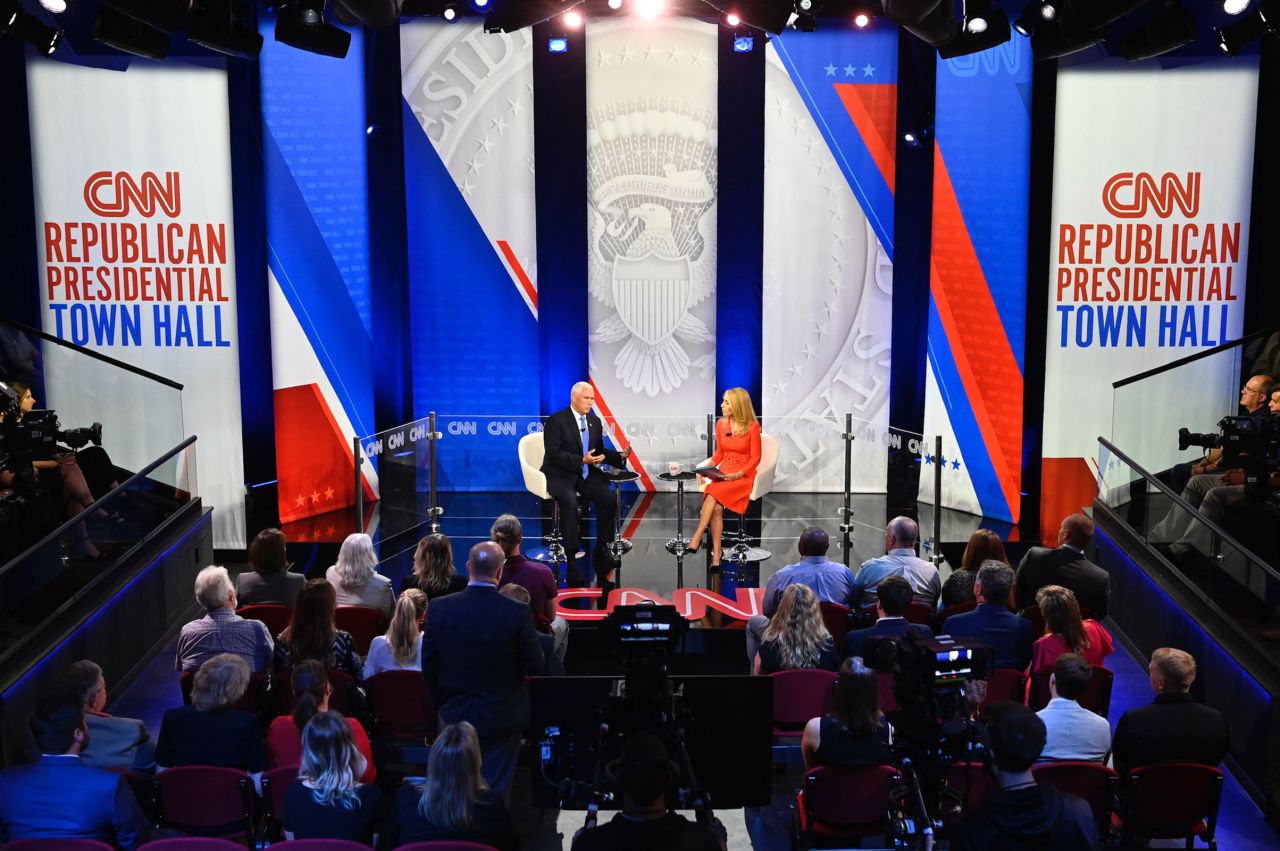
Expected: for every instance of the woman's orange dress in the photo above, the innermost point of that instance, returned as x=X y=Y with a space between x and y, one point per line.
x=735 y=453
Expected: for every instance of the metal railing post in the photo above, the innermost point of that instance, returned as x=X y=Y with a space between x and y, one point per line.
x=711 y=435
x=359 y=460
x=846 y=512
x=434 y=509
x=937 y=500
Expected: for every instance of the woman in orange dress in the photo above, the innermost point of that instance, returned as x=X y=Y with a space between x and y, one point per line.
x=737 y=456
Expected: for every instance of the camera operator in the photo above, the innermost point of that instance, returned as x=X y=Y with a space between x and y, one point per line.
x=1022 y=813
x=645 y=772
x=1195 y=480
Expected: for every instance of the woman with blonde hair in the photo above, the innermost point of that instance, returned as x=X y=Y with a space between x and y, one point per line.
x=737 y=455
x=356 y=576
x=327 y=800
x=1066 y=632
x=984 y=545
x=455 y=803
x=401 y=648
x=796 y=637
x=433 y=570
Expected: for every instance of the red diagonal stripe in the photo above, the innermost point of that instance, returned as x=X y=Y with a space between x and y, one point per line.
x=873 y=108
x=527 y=285
x=621 y=438
x=984 y=358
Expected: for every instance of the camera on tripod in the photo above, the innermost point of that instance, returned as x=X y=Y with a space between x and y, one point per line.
x=37 y=436
x=1251 y=442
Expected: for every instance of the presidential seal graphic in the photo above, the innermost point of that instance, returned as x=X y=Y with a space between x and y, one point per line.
x=651 y=210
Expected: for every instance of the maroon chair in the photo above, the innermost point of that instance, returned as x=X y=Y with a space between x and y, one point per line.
x=843 y=804
x=939 y=622
x=799 y=696
x=1093 y=781
x=1172 y=800
x=446 y=845
x=188 y=843
x=364 y=624
x=1033 y=614
x=835 y=618
x=920 y=613
x=1005 y=684
x=401 y=708
x=205 y=800
x=1096 y=696
x=254 y=699
x=275 y=785
x=274 y=615
x=968 y=785
x=884 y=682
x=59 y=845
x=321 y=845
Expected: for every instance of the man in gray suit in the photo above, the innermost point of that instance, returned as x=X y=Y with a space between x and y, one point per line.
x=115 y=743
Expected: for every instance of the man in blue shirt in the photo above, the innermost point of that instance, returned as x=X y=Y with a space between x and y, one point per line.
x=830 y=581
x=991 y=622
x=900 y=559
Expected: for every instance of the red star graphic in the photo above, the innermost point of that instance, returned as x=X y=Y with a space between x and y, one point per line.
x=315 y=496
x=301 y=501
x=328 y=494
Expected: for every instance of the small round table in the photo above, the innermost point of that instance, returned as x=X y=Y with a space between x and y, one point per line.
x=619 y=546
x=679 y=545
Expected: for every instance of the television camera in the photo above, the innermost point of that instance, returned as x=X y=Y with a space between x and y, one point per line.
x=1251 y=442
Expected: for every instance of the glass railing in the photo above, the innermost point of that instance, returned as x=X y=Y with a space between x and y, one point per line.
x=1222 y=561
x=50 y=562
x=1194 y=393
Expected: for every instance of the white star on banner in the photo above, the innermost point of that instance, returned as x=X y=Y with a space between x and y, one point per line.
x=868 y=70
x=849 y=69
x=602 y=59
x=831 y=70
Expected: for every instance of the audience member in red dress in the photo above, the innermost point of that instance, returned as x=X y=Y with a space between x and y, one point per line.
x=211 y=731
x=433 y=570
x=854 y=732
x=115 y=743
x=401 y=648
x=796 y=636
x=312 y=688
x=356 y=579
x=455 y=803
x=327 y=801
x=269 y=580
x=1065 y=632
x=737 y=455
x=313 y=633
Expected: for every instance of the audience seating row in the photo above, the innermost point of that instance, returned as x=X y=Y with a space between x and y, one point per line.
x=364 y=623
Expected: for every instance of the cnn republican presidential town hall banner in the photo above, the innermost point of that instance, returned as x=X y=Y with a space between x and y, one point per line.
x=1151 y=191
x=137 y=260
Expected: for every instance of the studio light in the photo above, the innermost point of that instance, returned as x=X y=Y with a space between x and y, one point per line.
x=373 y=13
x=743 y=43
x=1233 y=37
x=1061 y=42
x=1049 y=11
x=29 y=29
x=930 y=21
x=615 y=5
x=1170 y=27
x=1026 y=22
x=129 y=35
x=165 y=15
x=996 y=31
x=649 y=9
x=732 y=20
x=1231 y=7
x=213 y=25
x=572 y=19
x=55 y=6
x=916 y=137
x=861 y=20
x=301 y=24
x=557 y=44
x=450 y=13
x=976 y=15
x=480 y=4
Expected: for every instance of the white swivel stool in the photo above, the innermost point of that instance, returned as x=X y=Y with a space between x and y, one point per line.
x=532 y=450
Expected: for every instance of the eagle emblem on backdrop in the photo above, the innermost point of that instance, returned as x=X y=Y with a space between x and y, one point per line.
x=652 y=244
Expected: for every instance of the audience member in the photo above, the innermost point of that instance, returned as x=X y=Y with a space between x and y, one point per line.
x=830 y=580
x=115 y=743
x=1009 y=636
x=796 y=636
x=555 y=667
x=645 y=772
x=1073 y=732
x=433 y=570
x=1066 y=632
x=313 y=632
x=900 y=560
x=1022 y=813
x=356 y=579
x=534 y=577
x=854 y=732
x=269 y=580
x=401 y=648
x=327 y=800
x=454 y=804
x=312 y=690
x=221 y=630
x=60 y=796
x=1174 y=727
x=984 y=545
x=1065 y=566
x=1195 y=479
x=893 y=596
x=211 y=731
x=476 y=651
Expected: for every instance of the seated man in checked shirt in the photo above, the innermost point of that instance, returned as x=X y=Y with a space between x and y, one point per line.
x=221 y=630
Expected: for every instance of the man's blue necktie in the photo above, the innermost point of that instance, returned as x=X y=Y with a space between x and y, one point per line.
x=582 y=427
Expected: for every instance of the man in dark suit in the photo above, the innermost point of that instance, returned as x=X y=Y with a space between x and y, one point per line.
x=574 y=449
x=476 y=651
x=991 y=622
x=1174 y=727
x=893 y=596
x=59 y=796
x=1066 y=566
